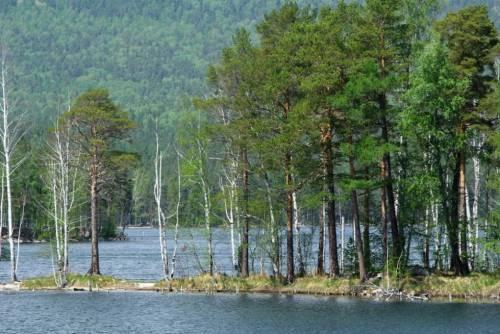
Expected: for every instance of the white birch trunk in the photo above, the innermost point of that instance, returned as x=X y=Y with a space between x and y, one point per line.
x=342 y=237
x=159 y=211
x=470 y=227
x=228 y=186
x=325 y=227
x=62 y=174
x=1 y=213
x=297 y=226
x=475 y=205
x=437 y=236
x=273 y=228
x=206 y=210
x=206 y=204
x=8 y=134
x=177 y=208
x=19 y=230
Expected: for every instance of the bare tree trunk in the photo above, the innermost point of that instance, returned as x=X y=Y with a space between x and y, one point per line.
x=157 y=190
x=62 y=175
x=20 y=229
x=55 y=199
x=1 y=213
x=177 y=208
x=206 y=209
x=8 y=135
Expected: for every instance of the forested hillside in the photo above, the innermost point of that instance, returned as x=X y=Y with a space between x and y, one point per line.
x=150 y=54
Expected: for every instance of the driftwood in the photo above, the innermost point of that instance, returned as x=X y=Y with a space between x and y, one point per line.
x=386 y=294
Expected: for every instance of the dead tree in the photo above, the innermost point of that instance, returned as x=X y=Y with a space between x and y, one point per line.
x=10 y=134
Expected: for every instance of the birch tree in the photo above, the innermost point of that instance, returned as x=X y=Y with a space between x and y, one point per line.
x=177 y=212
x=10 y=134
x=61 y=180
x=1 y=213
x=196 y=166
x=160 y=216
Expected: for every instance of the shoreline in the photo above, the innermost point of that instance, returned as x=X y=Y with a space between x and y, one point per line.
x=477 y=288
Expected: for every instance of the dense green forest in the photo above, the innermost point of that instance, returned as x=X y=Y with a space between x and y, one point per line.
x=271 y=115
x=151 y=55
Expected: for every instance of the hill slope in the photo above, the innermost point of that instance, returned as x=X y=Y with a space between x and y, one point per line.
x=148 y=53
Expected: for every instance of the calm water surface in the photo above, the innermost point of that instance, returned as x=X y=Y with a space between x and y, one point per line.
x=139 y=257
x=63 y=312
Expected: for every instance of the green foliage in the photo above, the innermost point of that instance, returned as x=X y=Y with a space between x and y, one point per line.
x=97 y=124
x=470 y=35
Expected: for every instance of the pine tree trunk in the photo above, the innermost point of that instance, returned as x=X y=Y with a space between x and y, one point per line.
x=383 y=214
x=397 y=247
x=289 y=221
x=246 y=217
x=327 y=148
x=94 y=265
x=366 y=230
x=386 y=160
x=321 y=242
x=356 y=226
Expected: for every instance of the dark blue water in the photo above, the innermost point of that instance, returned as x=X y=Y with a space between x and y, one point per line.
x=63 y=312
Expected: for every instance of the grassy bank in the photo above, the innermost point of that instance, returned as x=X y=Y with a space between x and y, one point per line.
x=475 y=286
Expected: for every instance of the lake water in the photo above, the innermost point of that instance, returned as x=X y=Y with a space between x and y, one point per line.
x=137 y=312
x=118 y=312
x=139 y=257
